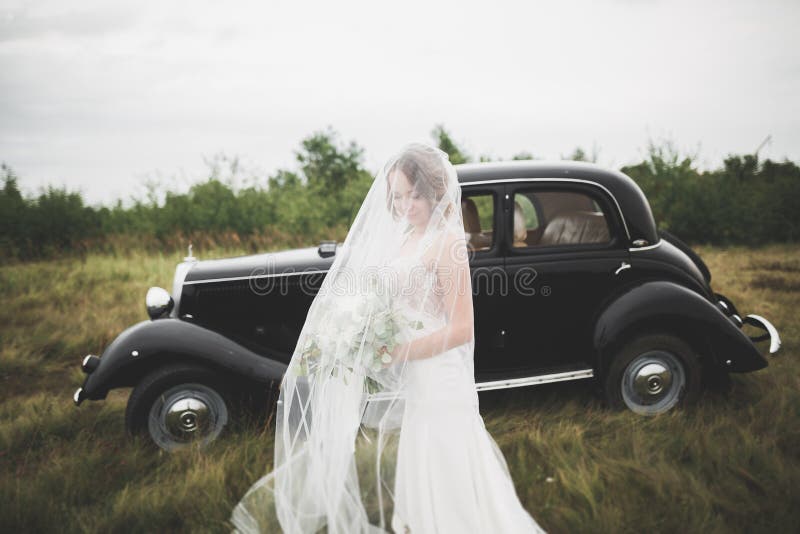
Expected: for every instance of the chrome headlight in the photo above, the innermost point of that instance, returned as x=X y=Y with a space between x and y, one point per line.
x=158 y=302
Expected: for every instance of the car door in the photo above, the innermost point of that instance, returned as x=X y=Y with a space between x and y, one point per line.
x=481 y=207
x=565 y=249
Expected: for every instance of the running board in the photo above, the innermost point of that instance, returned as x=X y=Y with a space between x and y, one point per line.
x=508 y=383
x=532 y=380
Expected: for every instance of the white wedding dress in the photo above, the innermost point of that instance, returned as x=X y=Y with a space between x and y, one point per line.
x=401 y=446
x=451 y=476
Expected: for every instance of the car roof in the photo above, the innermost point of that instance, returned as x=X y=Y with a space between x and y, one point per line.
x=623 y=189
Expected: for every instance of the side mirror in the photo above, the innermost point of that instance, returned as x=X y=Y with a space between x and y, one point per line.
x=326 y=249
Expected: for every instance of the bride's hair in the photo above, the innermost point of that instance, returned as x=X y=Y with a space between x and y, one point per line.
x=426 y=169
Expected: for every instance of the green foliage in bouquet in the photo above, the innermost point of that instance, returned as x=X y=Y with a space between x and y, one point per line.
x=351 y=334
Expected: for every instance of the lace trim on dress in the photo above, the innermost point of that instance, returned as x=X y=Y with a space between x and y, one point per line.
x=417 y=285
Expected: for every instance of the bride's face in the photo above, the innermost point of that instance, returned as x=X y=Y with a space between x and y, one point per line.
x=407 y=201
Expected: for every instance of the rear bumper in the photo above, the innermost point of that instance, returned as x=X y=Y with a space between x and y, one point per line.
x=770 y=332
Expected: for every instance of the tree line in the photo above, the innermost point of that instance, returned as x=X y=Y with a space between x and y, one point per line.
x=745 y=201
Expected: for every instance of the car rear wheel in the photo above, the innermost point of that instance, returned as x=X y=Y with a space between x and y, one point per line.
x=652 y=374
x=179 y=405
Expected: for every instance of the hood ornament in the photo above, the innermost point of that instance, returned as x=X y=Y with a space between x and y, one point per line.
x=190 y=257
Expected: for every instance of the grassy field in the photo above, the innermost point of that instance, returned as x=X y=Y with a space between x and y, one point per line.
x=729 y=464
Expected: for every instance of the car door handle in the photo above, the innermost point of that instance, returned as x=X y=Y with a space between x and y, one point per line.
x=500 y=339
x=625 y=265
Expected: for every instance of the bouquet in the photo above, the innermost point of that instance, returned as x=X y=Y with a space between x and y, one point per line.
x=353 y=330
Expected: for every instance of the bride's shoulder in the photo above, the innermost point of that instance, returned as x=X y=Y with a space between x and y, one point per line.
x=453 y=247
x=456 y=240
x=452 y=237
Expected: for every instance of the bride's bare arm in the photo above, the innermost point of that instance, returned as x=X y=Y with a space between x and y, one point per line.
x=454 y=283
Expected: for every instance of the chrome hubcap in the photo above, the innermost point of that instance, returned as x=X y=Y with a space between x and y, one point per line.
x=652 y=379
x=187 y=415
x=653 y=382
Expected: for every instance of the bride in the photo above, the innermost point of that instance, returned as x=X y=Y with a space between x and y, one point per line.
x=377 y=421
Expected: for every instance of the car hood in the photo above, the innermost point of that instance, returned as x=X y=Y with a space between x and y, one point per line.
x=284 y=261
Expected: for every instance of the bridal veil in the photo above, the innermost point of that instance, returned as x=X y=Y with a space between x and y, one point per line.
x=341 y=403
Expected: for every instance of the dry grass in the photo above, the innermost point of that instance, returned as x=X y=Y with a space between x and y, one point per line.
x=731 y=463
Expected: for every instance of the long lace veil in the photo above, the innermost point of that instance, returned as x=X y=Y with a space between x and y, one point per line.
x=398 y=291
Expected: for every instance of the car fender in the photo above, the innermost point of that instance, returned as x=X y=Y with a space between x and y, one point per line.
x=149 y=344
x=671 y=307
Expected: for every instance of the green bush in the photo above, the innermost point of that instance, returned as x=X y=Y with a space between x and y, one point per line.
x=745 y=202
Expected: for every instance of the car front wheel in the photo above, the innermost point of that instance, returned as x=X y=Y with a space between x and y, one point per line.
x=652 y=374
x=179 y=405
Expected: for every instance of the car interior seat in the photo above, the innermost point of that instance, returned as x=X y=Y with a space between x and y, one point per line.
x=476 y=239
x=576 y=227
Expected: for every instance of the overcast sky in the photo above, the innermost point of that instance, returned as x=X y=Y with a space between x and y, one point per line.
x=102 y=96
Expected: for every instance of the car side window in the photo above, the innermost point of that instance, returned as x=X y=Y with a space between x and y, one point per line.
x=553 y=218
x=477 y=210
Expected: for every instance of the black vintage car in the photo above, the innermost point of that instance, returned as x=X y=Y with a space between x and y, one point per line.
x=571 y=280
